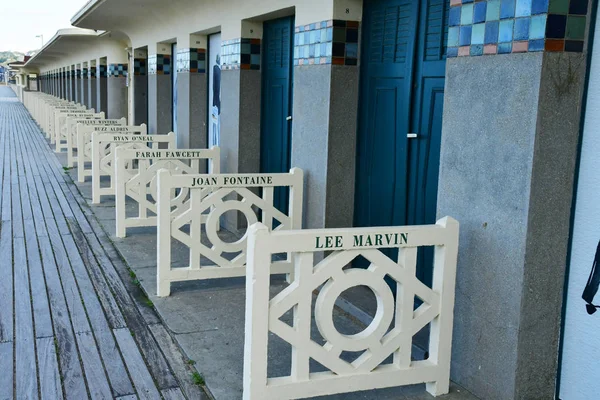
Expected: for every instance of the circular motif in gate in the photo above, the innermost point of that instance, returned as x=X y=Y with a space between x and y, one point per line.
x=212 y=225
x=372 y=335
x=178 y=195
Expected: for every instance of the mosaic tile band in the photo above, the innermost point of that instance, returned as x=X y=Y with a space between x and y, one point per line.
x=117 y=70
x=92 y=73
x=515 y=26
x=84 y=73
x=191 y=60
x=327 y=42
x=159 y=64
x=140 y=67
x=241 y=53
x=101 y=71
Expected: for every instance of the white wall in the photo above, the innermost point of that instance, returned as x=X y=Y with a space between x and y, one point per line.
x=580 y=377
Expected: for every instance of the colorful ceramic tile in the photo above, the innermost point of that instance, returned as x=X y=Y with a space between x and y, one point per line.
x=520 y=47
x=504 y=48
x=507 y=9
x=453 y=33
x=479 y=12
x=465 y=35
x=523 y=8
x=575 y=27
x=491 y=32
x=493 y=10
x=521 y=29
x=537 y=28
x=476 y=50
x=454 y=16
x=578 y=7
x=555 y=45
x=539 y=7
x=490 y=49
x=536 y=45
x=556 y=26
x=558 y=7
x=574 y=46
x=478 y=34
x=506 y=31
x=466 y=14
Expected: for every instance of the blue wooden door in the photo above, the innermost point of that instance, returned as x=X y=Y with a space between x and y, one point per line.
x=276 y=106
x=400 y=112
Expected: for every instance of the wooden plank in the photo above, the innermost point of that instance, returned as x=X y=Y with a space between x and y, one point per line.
x=6 y=365
x=113 y=313
x=49 y=376
x=130 y=397
x=26 y=388
x=135 y=364
x=94 y=371
x=181 y=369
x=6 y=283
x=71 y=371
x=17 y=218
x=173 y=394
x=71 y=292
x=115 y=368
x=39 y=295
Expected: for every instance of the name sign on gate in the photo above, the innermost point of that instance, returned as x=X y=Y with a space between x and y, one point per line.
x=84 y=140
x=384 y=356
x=198 y=226
x=139 y=185
x=103 y=155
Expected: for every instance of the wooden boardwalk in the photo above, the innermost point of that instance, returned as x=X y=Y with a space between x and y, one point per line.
x=72 y=323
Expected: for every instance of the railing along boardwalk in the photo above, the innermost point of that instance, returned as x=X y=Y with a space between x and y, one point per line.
x=69 y=326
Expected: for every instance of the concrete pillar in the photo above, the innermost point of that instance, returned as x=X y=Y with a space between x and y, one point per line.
x=140 y=87
x=101 y=88
x=508 y=154
x=117 y=94
x=71 y=78
x=192 y=92
x=93 y=86
x=159 y=89
x=85 y=86
x=77 y=85
x=325 y=103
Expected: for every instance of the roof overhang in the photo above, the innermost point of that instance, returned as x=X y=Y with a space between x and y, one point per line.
x=65 y=41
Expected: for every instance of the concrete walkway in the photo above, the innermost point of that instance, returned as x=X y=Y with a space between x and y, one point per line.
x=73 y=324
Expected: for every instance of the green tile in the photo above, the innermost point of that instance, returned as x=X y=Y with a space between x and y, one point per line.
x=339 y=34
x=575 y=27
x=558 y=7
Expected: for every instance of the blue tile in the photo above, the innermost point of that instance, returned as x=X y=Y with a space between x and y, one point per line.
x=323 y=35
x=505 y=33
x=477 y=50
x=523 y=8
x=466 y=15
x=454 y=16
x=467 y=1
x=491 y=32
x=539 y=7
x=317 y=50
x=536 y=45
x=537 y=29
x=465 y=36
x=479 y=11
x=299 y=39
x=352 y=50
x=556 y=26
x=323 y=24
x=477 y=34
x=453 y=33
x=323 y=50
x=329 y=34
x=521 y=31
x=452 y=52
x=493 y=10
x=504 y=48
x=507 y=9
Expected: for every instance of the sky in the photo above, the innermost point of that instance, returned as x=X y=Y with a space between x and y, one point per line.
x=22 y=21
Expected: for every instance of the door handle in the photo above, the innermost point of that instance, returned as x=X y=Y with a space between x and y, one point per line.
x=289 y=118
x=412 y=135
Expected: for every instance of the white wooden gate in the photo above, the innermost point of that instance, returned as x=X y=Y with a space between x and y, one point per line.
x=72 y=124
x=390 y=333
x=103 y=156
x=84 y=144
x=230 y=192
x=60 y=140
x=51 y=114
x=141 y=186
